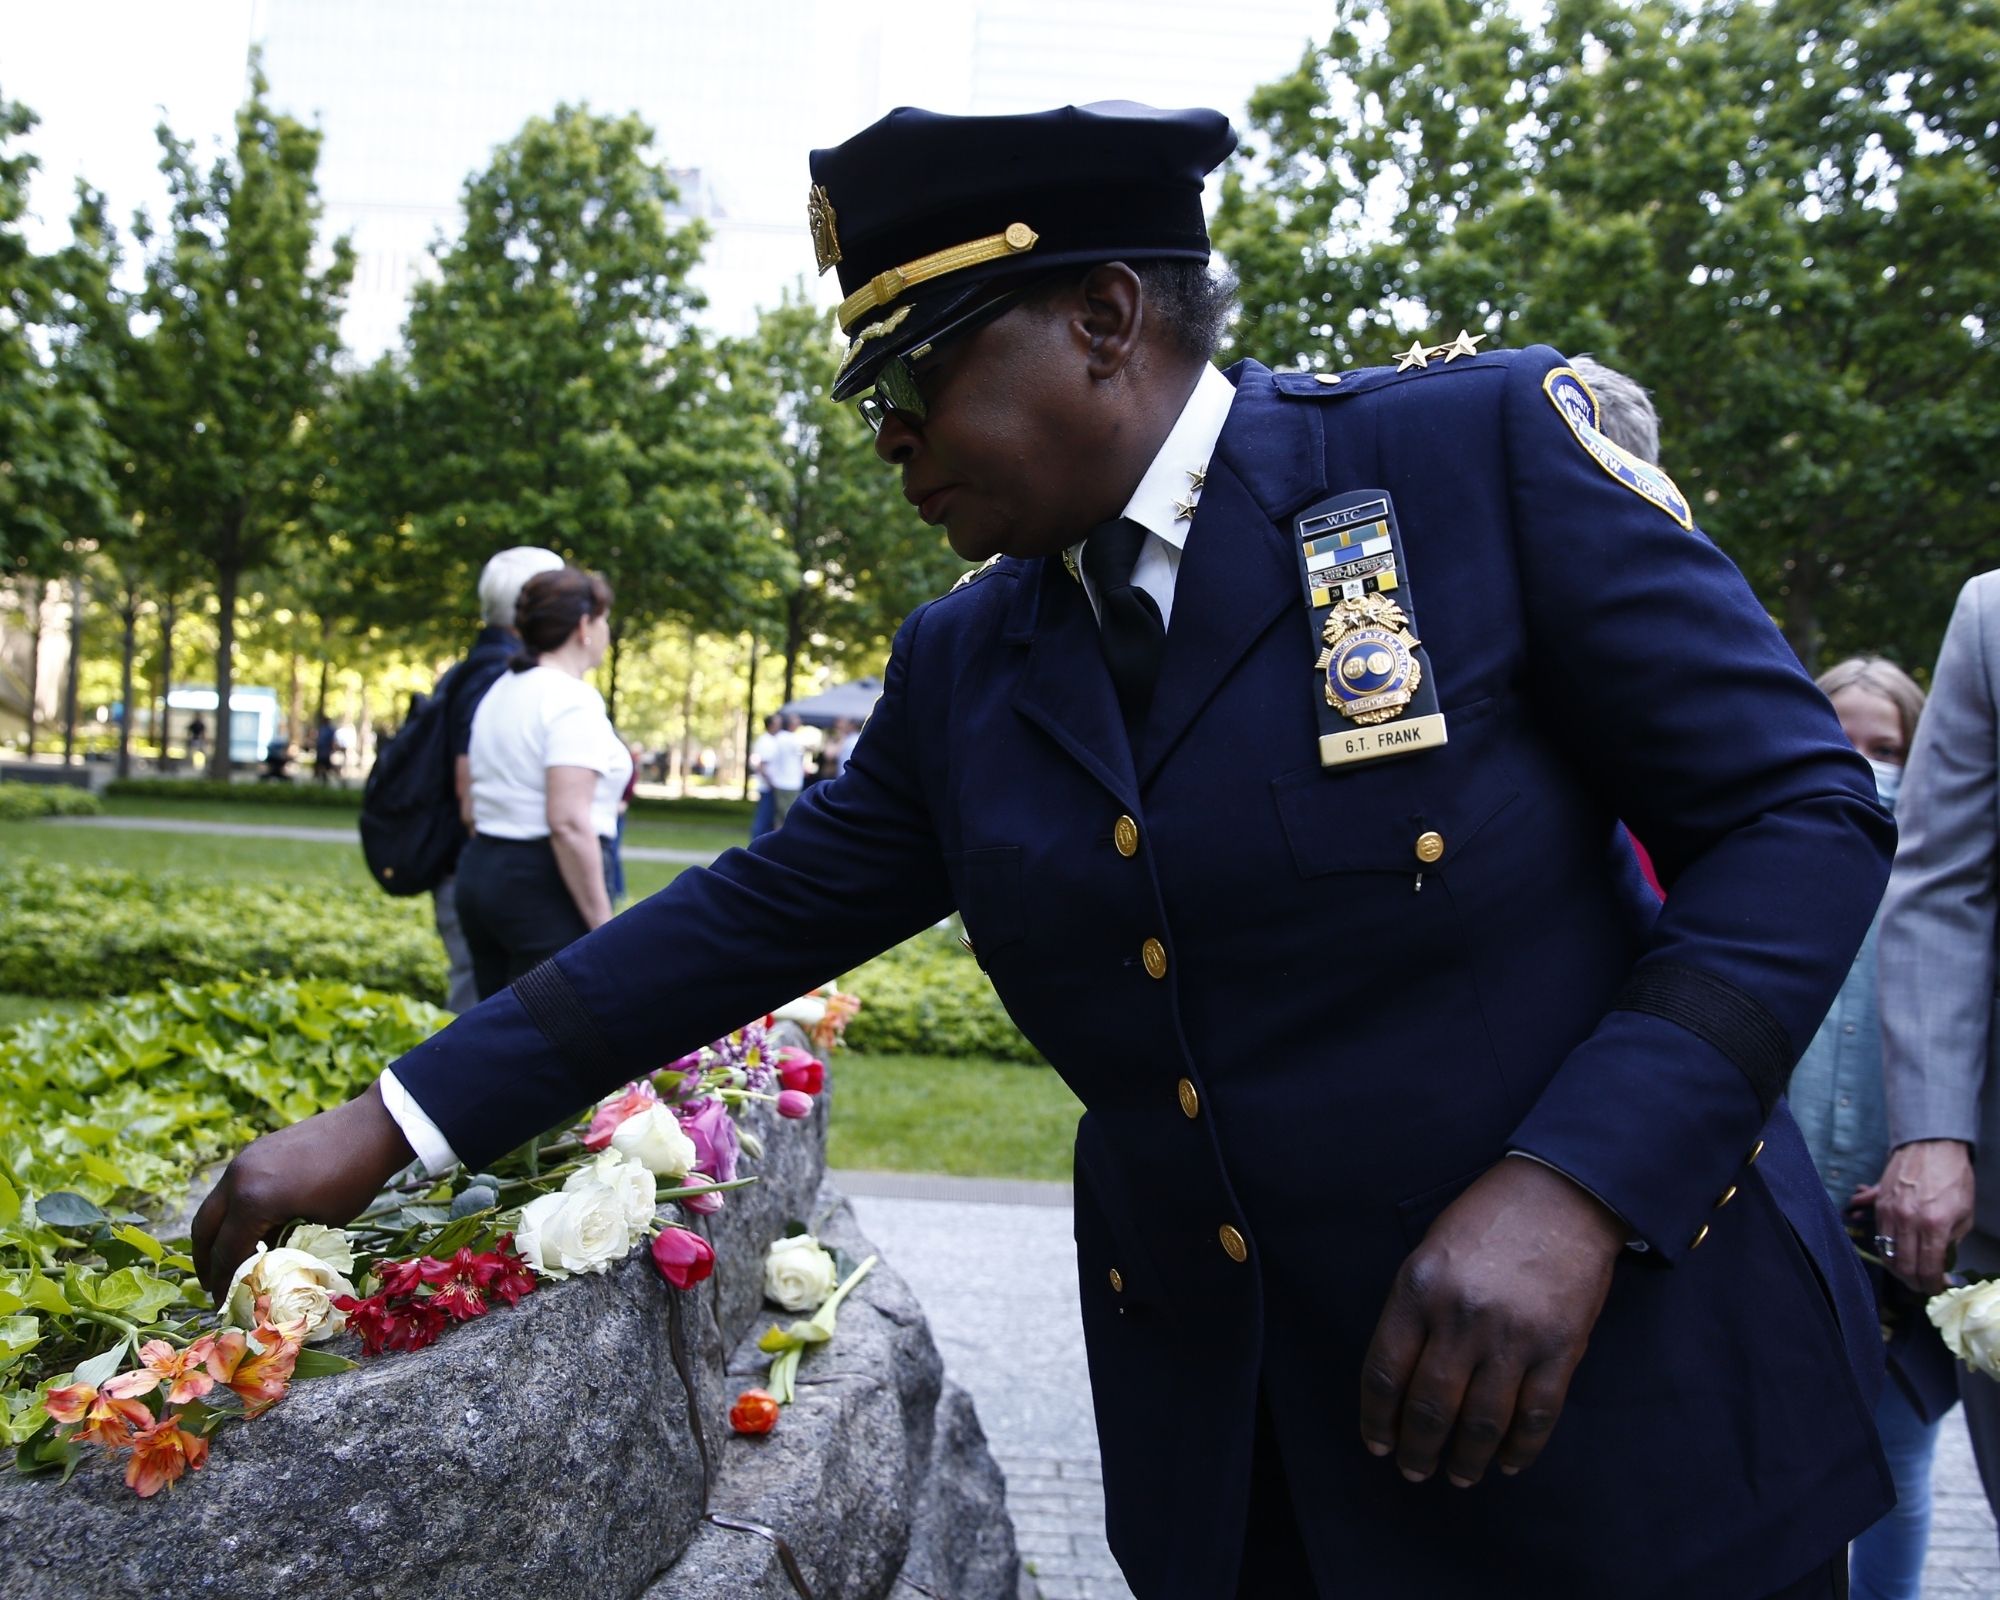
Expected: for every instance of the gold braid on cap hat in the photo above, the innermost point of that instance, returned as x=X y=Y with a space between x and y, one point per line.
x=881 y=289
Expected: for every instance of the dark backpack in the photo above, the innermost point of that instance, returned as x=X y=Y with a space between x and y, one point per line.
x=411 y=832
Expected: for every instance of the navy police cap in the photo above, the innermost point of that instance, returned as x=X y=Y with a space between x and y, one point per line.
x=923 y=213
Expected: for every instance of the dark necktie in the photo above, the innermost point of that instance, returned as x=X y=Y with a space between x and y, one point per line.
x=1129 y=625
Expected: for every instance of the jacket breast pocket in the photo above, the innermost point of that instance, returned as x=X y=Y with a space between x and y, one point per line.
x=1405 y=814
x=991 y=899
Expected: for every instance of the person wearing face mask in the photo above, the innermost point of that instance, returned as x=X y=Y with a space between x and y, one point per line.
x=1836 y=1094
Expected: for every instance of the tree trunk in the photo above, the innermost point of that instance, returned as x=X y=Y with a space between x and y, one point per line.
x=128 y=650
x=295 y=699
x=163 y=724
x=1802 y=627
x=795 y=628
x=750 y=715
x=325 y=668
x=76 y=599
x=222 y=763
x=686 y=761
x=611 y=688
x=31 y=595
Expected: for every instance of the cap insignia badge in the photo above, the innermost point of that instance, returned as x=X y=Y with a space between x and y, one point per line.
x=825 y=236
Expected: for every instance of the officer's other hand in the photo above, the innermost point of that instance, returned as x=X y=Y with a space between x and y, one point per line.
x=325 y=1169
x=1472 y=1357
x=1925 y=1206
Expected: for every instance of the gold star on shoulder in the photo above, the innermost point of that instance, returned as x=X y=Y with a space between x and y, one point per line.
x=1466 y=344
x=1415 y=356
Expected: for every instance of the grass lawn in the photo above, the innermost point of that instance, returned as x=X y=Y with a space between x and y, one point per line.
x=654 y=834
x=218 y=855
x=970 y=1118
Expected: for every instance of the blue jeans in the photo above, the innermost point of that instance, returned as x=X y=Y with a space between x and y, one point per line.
x=766 y=816
x=1887 y=1561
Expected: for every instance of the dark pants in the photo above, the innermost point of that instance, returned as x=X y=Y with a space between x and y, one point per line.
x=513 y=907
x=1274 y=1555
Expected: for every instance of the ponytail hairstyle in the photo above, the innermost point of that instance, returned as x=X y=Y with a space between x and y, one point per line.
x=551 y=606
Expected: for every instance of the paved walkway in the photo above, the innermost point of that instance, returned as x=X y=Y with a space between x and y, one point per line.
x=330 y=834
x=992 y=1263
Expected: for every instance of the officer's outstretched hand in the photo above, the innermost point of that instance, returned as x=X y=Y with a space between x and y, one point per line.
x=1472 y=1357
x=325 y=1169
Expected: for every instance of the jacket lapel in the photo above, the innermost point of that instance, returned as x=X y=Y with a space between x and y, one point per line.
x=1065 y=688
x=1237 y=572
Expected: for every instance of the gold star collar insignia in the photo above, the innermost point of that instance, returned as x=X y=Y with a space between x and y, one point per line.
x=1415 y=356
x=1184 y=509
x=1198 y=476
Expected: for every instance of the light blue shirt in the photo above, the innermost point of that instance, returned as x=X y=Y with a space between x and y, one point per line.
x=1836 y=1093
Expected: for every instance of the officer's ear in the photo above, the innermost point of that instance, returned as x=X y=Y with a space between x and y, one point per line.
x=1113 y=315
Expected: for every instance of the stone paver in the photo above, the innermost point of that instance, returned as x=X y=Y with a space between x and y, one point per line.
x=328 y=835
x=992 y=1263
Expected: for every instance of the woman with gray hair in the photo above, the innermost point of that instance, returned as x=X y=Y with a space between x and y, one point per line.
x=1836 y=1094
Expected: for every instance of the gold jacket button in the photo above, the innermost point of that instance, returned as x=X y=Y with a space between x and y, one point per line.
x=1695 y=1242
x=1234 y=1245
x=1430 y=847
x=1756 y=1150
x=1125 y=835
x=1154 y=954
x=1728 y=1195
x=1117 y=1281
x=1190 y=1101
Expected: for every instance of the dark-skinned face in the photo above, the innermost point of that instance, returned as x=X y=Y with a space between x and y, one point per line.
x=1008 y=458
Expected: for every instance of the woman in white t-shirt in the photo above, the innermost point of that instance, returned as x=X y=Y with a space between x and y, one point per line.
x=547 y=774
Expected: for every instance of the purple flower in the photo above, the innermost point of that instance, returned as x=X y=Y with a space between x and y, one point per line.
x=708 y=1123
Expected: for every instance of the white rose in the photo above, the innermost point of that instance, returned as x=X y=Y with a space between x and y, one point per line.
x=1969 y=1319
x=296 y=1285
x=575 y=1230
x=331 y=1245
x=636 y=1188
x=806 y=1011
x=798 y=1274
x=655 y=1139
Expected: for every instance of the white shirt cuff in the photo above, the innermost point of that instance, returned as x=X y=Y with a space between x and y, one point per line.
x=431 y=1146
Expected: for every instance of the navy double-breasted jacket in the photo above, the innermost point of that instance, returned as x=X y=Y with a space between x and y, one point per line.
x=1342 y=1034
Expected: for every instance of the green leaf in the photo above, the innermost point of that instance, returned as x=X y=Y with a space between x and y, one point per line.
x=10 y=1201
x=321 y=1364
x=64 y=1209
x=18 y=1335
x=101 y=1367
x=141 y=1241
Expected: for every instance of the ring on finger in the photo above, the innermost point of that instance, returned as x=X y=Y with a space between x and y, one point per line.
x=1885 y=1246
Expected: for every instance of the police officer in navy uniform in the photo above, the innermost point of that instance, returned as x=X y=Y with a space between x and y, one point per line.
x=1274 y=761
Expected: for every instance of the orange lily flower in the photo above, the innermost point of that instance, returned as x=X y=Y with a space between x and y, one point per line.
x=107 y=1417
x=181 y=1370
x=160 y=1454
x=263 y=1375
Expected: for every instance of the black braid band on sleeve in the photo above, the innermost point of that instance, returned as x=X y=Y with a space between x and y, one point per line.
x=1715 y=1010
x=554 y=1006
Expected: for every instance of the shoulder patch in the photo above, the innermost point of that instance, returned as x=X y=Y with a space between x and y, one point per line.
x=975 y=574
x=1572 y=398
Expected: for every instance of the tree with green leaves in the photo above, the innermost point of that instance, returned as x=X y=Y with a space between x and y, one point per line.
x=861 y=556
x=560 y=395
x=1782 y=218
x=247 y=325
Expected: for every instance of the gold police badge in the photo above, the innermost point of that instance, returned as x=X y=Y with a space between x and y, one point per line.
x=1370 y=660
x=820 y=219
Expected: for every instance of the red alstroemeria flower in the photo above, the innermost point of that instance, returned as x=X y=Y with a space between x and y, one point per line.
x=417 y=1324
x=755 y=1411
x=184 y=1372
x=160 y=1454
x=402 y=1277
x=371 y=1320
x=512 y=1276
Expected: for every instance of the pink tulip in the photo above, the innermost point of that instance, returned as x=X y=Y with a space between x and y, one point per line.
x=683 y=1258
x=794 y=1103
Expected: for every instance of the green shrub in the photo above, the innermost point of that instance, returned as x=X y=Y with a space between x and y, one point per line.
x=83 y=933
x=325 y=796
x=928 y=997
x=129 y=1099
x=20 y=802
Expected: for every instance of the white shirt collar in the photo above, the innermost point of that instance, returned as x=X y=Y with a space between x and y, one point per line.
x=1168 y=484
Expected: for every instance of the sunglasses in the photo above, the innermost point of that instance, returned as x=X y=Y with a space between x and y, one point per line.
x=899 y=383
